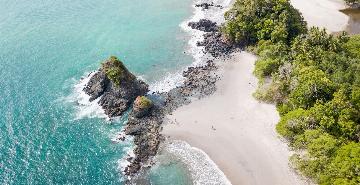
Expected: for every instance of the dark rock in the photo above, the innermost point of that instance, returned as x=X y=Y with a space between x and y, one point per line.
x=117 y=87
x=97 y=85
x=204 y=25
x=146 y=132
x=199 y=82
x=206 y=6
x=216 y=44
x=132 y=168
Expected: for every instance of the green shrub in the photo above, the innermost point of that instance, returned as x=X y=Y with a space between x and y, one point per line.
x=321 y=113
x=143 y=102
x=353 y=45
x=249 y=21
x=314 y=79
x=344 y=166
x=310 y=85
x=116 y=71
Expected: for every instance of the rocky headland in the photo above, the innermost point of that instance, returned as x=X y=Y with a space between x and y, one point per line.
x=117 y=90
x=115 y=86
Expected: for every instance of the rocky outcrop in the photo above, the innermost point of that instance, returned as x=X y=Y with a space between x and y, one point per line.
x=97 y=85
x=214 y=41
x=142 y=106
x=204 y=25
x=206 y=6
x=116 y=87
x=146 y=131
x=216 y=44
x=199 y=82
x=145 y=119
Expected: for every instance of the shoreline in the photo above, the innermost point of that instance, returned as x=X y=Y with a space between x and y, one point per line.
x=268 y=158
x=238 y=132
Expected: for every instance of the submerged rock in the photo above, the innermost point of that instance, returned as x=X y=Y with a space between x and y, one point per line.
x=204 y=25
x=116 y=87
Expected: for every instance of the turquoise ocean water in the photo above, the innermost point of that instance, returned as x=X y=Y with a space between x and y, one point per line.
x=46 y=46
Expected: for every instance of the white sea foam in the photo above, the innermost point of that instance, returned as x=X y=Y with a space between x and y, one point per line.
x=202 y=169
x=170 y=81
x=123 y=163
x=176 y=79
x=129 y=153
x=85 y=108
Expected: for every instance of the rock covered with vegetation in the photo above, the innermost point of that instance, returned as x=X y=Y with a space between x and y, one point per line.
x=313 y=78
x=142 y=106
x=115 y=86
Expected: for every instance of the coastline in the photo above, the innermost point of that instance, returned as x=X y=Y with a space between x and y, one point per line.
x=260 y=157
x=238 y=132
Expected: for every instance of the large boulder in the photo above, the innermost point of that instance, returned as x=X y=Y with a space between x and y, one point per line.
x=142 y=106
x=116 y=87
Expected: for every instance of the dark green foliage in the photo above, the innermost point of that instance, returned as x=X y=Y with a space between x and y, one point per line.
x=252 y=20
x=116 y=71
x=353 y=46
x=313 y=78
x=320 y=110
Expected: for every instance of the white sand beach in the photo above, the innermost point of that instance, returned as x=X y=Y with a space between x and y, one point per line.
x=323 y=13
x=235 y=130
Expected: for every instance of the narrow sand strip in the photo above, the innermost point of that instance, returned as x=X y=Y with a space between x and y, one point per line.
x=323 y=13
x=235 y=130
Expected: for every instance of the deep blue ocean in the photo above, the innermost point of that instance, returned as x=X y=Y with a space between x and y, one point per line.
x=46 y=47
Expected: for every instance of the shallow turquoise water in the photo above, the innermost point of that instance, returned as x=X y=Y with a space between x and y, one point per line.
x=45 y=47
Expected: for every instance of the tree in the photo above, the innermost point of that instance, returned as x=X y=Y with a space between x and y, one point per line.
x=249 y=21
